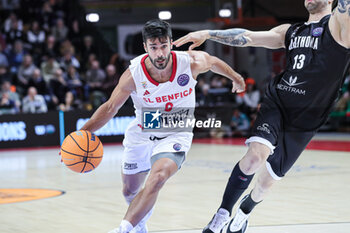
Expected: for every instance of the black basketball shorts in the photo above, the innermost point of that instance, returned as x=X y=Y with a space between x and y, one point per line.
x=285 y=142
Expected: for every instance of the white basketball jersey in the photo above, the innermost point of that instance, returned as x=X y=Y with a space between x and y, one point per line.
x=178 y=92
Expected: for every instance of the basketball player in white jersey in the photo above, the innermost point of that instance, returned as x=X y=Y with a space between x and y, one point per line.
x=165 y=80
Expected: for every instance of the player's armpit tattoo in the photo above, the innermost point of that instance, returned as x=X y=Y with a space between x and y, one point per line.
x=233 y=37
x=343 y=6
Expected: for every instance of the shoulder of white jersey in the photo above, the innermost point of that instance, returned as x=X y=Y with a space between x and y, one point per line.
x=137 y=60
x=182 y=57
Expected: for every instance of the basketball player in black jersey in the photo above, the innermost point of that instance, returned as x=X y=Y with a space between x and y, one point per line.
x=296 y=103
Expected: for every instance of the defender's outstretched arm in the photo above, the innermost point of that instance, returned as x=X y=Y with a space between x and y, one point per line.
x=239 y=37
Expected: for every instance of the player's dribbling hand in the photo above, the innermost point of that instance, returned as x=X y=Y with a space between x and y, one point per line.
x=59 y=153
x=197 y=38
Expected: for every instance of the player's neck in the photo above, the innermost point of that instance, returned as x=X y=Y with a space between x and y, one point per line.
x=318 y=16
x=158 y=75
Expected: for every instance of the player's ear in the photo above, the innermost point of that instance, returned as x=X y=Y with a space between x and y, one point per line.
x=171 y=44
x=145 y=47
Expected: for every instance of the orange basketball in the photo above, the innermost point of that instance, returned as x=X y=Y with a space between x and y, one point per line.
x=81 y=151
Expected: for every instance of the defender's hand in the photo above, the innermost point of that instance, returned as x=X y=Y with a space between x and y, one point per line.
x=197 y=38
x=238 y=87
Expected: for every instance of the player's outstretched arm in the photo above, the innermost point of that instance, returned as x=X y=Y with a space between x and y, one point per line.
x=110 y=108
x=202 y=62
x=339 y=23
x=238 y=37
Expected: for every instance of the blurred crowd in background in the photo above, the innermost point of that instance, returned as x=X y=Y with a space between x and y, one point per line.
x=48 y=63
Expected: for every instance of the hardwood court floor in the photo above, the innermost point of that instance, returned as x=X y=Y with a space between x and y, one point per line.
x=313 y=198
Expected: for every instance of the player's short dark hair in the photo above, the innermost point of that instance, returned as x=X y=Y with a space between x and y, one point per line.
x=156 y=28
x=334 y=4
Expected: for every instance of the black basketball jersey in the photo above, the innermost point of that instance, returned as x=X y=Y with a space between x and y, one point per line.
x=315 y=70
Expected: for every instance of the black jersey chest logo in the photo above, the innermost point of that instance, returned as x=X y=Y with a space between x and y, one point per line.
x=292 y=86
x=306 y=36
x=304 y=42
x=293 y=81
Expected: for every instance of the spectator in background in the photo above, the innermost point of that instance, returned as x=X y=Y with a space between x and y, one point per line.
x=15 y=56
x=249 y=100
x=88 y=46
x=37 y=81
x=75 y=35
x=35 y=35
x=75 y=84
x=33 y=102
x=7 y=106
x=68 y=59
x=59 y=31
x=50 y=47
x=202 y=89
x=36 y=39
x=240 y=124
x=58 y=85
x=7 y=87
x=14 y=33
x=25 y=72
x=66 y=45
x=68 y=104
x=94 y=78
x=219 y=92
x=49 y=67
x=9 y=22
x=87 y=49
x=111 y=80
x=47 y=17
x=41 y=86
x=92 y=57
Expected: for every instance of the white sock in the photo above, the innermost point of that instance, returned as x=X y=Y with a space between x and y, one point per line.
x=147 y=216
x=125 y=226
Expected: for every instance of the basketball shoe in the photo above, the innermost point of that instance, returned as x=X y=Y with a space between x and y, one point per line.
x=219 y=220
x=238 y=223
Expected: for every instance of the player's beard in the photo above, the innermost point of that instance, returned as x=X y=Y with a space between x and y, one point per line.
x=316 y=6
x=160 y=66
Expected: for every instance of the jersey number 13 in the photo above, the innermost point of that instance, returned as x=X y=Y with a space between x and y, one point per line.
x=299 y=61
